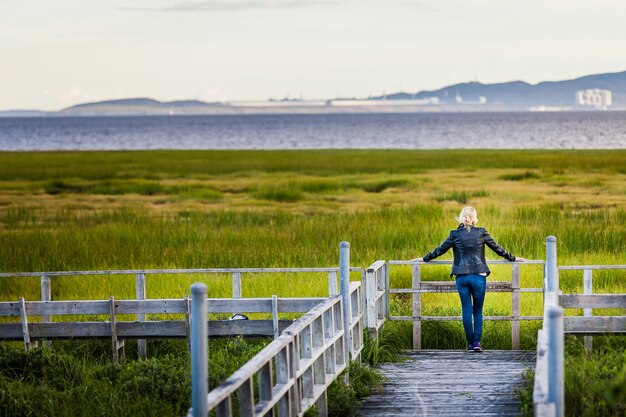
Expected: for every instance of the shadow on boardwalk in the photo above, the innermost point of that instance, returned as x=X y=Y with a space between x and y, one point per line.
x=451 y=383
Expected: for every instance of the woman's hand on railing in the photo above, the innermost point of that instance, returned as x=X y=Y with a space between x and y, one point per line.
x=519 y=259
x=417 y=260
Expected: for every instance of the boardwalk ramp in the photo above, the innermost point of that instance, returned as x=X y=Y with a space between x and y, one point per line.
x=451 y=383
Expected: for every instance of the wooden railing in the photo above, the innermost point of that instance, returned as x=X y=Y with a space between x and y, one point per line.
x=548 y=392
x=292 y=373
x=117 y=329
x=140 y=275
x=376 y=300
x=419 y=287
x=588 y=324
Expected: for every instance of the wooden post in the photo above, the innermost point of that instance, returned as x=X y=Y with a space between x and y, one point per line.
x=556 y=392
x=245 y=395
x=417 y=307
x=275 y=316
x=515 y=305
x=319 y=366
x=116 y=344
x=370 y=305
x=236 y=284
x=344 y=277
x=46 y=296
x=387 y=290
x=266 y=384
x=332 y=284
x=199 y=351
x=329 y=332
x=282 y=377
x=294 y=366
x=225 y=408
x=306 y=351
x=187 y=304
x=588 y=312
x=364 y=294
x=140 y=291
x=356 y=334
x=28 y=344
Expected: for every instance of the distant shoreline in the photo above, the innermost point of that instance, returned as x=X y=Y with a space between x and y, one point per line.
x=293 y=109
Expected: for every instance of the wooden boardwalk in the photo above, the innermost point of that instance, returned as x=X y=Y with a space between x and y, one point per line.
x=451 y=383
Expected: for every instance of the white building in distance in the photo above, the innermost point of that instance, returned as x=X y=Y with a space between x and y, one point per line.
x=594 y=97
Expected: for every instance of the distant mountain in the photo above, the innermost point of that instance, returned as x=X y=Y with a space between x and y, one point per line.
x=139 y=106
x=520 y=93
x=23 y=113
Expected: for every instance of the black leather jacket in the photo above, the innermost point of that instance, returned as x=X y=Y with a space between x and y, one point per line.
x=469 y=250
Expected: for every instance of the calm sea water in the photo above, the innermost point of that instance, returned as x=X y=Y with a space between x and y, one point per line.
x=571 y=130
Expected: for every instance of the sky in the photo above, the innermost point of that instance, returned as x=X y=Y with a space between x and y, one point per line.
x=56 y=53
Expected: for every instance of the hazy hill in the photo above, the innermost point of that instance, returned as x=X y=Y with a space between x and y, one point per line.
x=519 y=93
x=139 y=106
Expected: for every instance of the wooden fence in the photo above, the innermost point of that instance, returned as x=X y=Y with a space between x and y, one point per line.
x=548 y=392
x=46 y=281
x=292 y=373
x=588 y=324
x=118 y=329
x=419 y=287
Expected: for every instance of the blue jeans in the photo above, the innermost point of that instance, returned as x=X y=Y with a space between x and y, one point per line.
x=472 y=290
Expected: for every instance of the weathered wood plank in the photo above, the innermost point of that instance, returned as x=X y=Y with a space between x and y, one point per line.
x=167 y=271
x=598 y=324
x=450 y=286
x=593 y=300
x=133 y=330
x=451 y=383
x=590 y=267
x=454 y=318
x=42 y=308
x=159 y=306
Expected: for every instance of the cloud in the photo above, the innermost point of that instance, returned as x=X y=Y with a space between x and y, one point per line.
x=235 y=5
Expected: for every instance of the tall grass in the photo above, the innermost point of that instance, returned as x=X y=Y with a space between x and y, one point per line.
x=178 y=209
x=595 y=382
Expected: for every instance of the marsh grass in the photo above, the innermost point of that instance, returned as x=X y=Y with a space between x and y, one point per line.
x=528 y=175
x=170 y=209
x=595 y=382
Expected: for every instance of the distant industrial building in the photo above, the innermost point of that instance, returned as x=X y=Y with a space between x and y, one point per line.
x=594 y=97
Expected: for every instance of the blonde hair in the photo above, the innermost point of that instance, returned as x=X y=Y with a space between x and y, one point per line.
x=468 y=217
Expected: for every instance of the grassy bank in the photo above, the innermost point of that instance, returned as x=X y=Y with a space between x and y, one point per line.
x=169 y=209
x=595 y=382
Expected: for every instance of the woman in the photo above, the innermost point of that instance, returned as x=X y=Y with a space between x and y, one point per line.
x=468 y=244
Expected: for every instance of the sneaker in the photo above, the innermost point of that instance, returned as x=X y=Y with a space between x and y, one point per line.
x=470 y=348
x=477 y=347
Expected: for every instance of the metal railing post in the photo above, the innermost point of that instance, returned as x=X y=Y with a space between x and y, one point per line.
x=556 y=392
x=199 y=342
x=551 y=266
x=344 y=280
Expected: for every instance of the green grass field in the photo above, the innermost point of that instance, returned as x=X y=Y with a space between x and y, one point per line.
x=182 y=209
